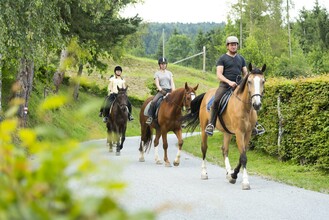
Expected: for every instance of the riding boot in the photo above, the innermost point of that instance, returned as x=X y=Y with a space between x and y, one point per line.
x=130 y=117
x=150 y=113
x=213 y=117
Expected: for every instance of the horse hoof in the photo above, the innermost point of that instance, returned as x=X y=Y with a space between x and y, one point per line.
x=204 y=176
x=110 y=150
x=245 y=186
x=167 y=164
x=176 y=164
x=141 y=160
x=230 y=179
x=117 y=153
x=158 y=162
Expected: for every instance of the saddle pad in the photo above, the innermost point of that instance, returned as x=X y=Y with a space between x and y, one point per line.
x=146 y=110
x=147 y=107
x=223 y=102
x=209 y=104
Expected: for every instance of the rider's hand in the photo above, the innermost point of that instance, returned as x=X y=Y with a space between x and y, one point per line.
x=163 y=92
x=233 y=84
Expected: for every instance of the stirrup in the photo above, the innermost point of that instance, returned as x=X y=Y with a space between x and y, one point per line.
x=105 y=119
x=258 y=130
x=130 y=118
x=209 y=130
x=149 y=120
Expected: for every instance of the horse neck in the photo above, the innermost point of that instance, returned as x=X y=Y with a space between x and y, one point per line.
x=177 y=98
x=243 y=97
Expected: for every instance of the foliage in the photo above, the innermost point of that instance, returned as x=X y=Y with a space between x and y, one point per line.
x=43 y=179
x=305 y=109
x=179 y=47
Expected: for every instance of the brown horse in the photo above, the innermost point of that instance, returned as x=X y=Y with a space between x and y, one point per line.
x=169 y=115
x=239 y=118
x=117 y=121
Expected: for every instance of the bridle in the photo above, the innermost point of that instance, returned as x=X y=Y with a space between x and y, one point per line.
x=185 y=107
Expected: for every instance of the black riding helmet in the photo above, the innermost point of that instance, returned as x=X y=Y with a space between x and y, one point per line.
x=162 y=60
x=117 y=68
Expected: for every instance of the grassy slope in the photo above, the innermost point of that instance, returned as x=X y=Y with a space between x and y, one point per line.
x=138 y=73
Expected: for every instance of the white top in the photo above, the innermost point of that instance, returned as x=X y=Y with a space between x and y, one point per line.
x=114 y=82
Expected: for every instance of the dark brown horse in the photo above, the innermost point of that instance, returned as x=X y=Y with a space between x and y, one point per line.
x=239 y=118
x=117 y=121
x=169 y=119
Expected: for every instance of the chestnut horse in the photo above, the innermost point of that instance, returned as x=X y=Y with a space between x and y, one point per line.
x=117 y=121
x=169 y=119
x=239 y=118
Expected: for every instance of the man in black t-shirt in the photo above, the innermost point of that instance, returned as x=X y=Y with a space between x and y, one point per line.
x=229 y=68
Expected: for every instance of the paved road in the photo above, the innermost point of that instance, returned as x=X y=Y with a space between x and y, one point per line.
x=179 y=192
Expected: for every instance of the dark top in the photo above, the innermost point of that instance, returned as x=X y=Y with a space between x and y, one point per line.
x=232 y=66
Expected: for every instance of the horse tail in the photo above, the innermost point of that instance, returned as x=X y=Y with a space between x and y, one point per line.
x=191 y=120
x=147 y=138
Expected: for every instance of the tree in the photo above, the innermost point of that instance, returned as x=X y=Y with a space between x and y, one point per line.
x=179 y=46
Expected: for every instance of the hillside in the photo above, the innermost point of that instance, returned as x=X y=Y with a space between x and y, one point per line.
x=138 y=72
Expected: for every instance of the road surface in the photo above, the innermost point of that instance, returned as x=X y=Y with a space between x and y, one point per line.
x=179 y=193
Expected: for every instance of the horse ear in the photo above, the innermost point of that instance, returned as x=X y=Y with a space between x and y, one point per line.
x=196 y=87
x=264 y=68
x=118 y=88
x=186 y=86
x=250 y=67
x=127 y=88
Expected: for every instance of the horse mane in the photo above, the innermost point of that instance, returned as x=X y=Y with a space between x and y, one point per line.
x=172 y=97
x=245 y=79
x=243 y=84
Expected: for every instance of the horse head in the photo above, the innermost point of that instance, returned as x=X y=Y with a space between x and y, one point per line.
x=256 y=83
x=189 y=96
x=122 y=98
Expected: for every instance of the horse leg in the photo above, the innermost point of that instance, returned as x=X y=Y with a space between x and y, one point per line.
x=141 y=152
x=204 y=147
x=165 y=149
x=225 y=149
x=242 y=161
x=117 y=138
x=180 y=145
x=156 y=149
x=109 y=140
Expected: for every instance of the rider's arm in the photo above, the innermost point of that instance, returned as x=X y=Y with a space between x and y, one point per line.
x=222 y=78
x=172 y=84
x=110 y=87
x=244 y=71
x=157 y=83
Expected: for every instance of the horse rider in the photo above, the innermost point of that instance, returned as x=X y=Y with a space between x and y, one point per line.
x=164 y=83
x=229 y=67
x=115 y=80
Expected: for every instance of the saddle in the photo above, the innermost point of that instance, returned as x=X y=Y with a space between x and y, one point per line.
x=221 y=108
x=156 y=107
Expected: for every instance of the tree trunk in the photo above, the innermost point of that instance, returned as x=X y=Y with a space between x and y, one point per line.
x=59 y=74
x=77 y=83
x=25 y=81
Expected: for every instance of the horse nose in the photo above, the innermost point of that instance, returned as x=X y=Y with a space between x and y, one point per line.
x=257 y=106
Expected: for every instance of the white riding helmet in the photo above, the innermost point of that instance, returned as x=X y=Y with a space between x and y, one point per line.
x=232 y=39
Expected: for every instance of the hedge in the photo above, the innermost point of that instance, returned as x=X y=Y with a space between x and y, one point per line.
x=304 y=107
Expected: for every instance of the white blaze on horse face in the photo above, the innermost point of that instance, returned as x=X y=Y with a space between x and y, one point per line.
x=192 y=96
x=256 y=98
